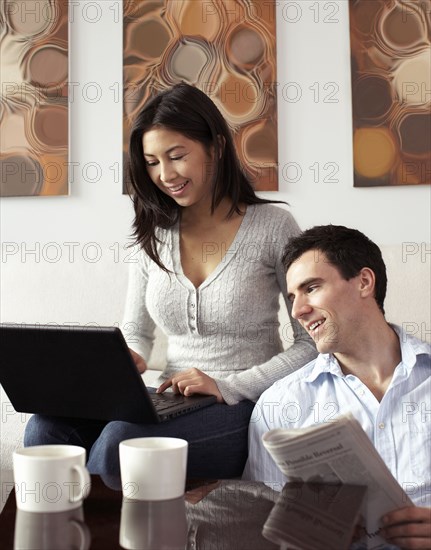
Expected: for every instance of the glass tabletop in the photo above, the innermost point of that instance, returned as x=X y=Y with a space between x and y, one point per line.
x=225 y=514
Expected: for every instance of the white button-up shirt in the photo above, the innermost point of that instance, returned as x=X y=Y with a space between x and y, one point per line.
x=399 y=425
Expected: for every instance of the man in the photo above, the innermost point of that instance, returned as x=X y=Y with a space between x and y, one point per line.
x=336 y=281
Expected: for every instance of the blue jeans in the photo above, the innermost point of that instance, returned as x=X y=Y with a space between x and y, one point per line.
x=217 y=436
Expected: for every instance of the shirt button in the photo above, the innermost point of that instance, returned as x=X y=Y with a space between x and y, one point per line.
x=192 y=318
x=381 y=425
x=192 y=305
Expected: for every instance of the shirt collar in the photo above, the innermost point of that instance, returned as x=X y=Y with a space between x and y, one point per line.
x=410 y=348
x=324 y=362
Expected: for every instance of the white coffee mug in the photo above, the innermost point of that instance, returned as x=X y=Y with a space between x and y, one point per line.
x=153 y=524
x=52 y=530
x=153 y=468
x=50 y=478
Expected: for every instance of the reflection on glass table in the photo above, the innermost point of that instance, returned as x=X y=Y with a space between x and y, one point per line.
x=146 y=525
x=311 y=516
x=51 y=530
x=213 y=515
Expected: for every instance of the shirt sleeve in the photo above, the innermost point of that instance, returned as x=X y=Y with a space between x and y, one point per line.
x=138 y=326
x=260 y=465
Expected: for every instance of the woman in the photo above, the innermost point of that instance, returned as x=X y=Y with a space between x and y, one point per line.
x=210 y=275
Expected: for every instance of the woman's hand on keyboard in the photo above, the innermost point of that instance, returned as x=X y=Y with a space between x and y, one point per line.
x=190 y=382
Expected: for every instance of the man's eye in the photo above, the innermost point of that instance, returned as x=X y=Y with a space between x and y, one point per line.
x=311 y=288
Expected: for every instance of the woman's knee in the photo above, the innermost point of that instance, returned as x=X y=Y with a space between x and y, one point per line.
x=49 y=430
x=104 y=456
x=38 y=431
x=116 y=431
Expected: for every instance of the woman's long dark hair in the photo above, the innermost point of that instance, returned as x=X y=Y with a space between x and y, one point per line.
x=188 y=111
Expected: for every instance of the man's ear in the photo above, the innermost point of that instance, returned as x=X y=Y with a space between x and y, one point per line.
x=367 y=282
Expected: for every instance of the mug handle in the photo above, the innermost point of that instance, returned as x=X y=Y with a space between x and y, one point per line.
x=85 y=482
x=84 y=534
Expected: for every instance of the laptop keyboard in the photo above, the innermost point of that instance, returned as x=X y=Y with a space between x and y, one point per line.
x=162 y=402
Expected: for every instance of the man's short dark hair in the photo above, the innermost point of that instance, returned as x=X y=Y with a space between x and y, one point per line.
x=348 y=250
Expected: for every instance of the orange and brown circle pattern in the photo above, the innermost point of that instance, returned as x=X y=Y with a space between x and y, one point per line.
x=225 y=48
x=391 y=91
x=33 y=97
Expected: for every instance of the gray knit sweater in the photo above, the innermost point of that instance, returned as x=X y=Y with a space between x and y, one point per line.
x=228 y=326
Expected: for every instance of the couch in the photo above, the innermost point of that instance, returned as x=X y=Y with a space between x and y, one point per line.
x=89 y=286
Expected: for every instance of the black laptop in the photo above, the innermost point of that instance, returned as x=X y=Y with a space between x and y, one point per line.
x=81 y=372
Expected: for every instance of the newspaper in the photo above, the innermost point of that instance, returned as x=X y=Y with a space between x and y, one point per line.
x=340 y=452
x=311 y=516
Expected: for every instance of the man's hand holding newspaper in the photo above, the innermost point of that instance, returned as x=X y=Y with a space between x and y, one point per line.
x=341 y=452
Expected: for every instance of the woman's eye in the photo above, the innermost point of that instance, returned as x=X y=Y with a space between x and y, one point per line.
x=151 y=163
x=176 y=158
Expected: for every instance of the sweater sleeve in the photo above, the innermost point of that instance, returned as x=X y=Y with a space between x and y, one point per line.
x=138 y=326
x=252 y=382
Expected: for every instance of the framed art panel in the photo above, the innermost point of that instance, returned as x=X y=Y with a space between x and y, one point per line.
x=225 y=48
x=34 y=97
x=391 y=91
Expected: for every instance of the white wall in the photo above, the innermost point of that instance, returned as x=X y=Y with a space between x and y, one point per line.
x=309 y=53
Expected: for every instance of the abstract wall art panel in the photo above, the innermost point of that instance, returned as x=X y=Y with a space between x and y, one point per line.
x=34 y=97
x=391 y=91
x=224 y=47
